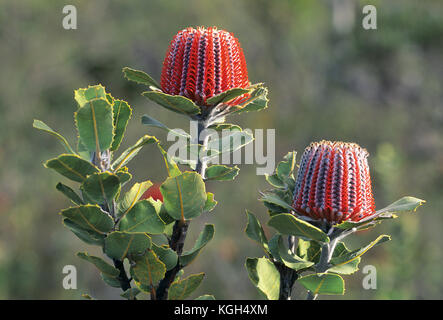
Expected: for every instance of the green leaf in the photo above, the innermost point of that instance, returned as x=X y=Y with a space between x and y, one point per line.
x=101 y=265
x=288 y=224
x=72 y=167
x=150 y=121
x=90 y=217
x=130 y=294
x=226 y=96
x=204 y=237
x=170 y=164
x=177 y=104
x=309 y=250
x=119 y=245
x=123 y=175
x=275 y=200
x=225 y=126
x=184 y=196
x=148 y=269
x=221 y=172
x=121 y=115
x=284 y=255
x=142 y=217
x=229 y=142
x=86 y=235
x=405 y=204
x=347 y=268
x=111 y=281
x=166 y=255
x=131 y=197
x=42 y=126
x=84 y=95
x=206 y=297
x=274 y=181
x=257 y=101
x=68 y=192
x=131 y=152
x=210 y=202
x=95 y=125
x=265 y=276
x=140 y=77
x=351 y=256
x=181 y=289
x=255 y=231
x=101 y=187
x=325 y=283
x=286 y=168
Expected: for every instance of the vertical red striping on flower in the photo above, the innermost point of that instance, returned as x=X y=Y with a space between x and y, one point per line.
x=333 y=183
x=201 y=63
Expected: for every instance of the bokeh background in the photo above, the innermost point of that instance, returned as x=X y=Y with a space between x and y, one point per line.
x=328 y=79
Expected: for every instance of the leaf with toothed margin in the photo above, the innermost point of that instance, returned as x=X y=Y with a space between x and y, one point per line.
x=285 y=256
x=255 y=232
x=84 y=95
x=119 y=245
x=142 y=217
x=221 y=172
x=40 y=125
x=131 y=197
x=95 y=126
x=166 y=255
x=101 y=187
x=148 y=269
x=181 y=289
x=140 y=77
x=121 y=115
x=257 y=101
x=265 y=276
x=90 y=217
x=210 y=202
x=227 y=96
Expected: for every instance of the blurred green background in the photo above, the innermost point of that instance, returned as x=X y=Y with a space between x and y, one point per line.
x=328 y=79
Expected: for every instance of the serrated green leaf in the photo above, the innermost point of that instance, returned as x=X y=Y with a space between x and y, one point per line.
x=148 y=269
x=285 y=256
x=210 y=202
x=324 y=283
x=309 y=250
x=131 y=152
x=121 y=115
x=221 y=172
x=275 y=200
x=86 y=235
x=227 y=96
x=101 y=187
x=95 y=125
x=225 y=126
x=274 y=181
x=123 y=175
x=177 y=104
x=72 y=167
x=118 y=245
x=351 y=256
x=142 y=217
x=347 y=268
x=265 y=276
x=405 y=204
x=84 y=95
x=40 y=125
x=204 y=237
x=288 y=224
x=255 y=231
x=69 y=193
x=181 y=289
x=166 y=255
x=184 y=196
x=140 y=77
x=131 y=197
x=103 y=266
x=90 y=217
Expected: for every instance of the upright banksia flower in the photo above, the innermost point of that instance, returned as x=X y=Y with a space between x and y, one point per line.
x=201 y=63
x=333 y=183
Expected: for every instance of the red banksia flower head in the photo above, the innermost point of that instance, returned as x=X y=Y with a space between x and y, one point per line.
x=333 y=183
x=201 y=63
x=153 y=192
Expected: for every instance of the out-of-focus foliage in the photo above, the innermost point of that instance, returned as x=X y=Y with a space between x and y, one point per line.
x=327 y=77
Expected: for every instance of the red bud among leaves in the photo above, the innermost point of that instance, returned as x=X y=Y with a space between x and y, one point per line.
x=201 y=63
x=333 y=183
x=153 y=192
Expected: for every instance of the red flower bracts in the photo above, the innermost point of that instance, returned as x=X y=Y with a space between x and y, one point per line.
x=333 y=183
x=153 y=192
x=201 y=63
